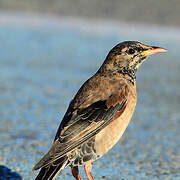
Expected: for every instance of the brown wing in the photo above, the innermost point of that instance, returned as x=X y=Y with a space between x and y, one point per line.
x=79 y=125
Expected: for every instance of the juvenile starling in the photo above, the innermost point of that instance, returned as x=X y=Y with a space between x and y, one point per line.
x=99 y=113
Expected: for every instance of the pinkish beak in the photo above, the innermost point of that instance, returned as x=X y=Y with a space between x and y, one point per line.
x=156 y=50
x=153 y=50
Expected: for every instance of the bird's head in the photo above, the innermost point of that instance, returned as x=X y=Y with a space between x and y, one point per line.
x=128 y=56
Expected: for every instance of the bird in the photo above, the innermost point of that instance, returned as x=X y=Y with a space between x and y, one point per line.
x=98 y=114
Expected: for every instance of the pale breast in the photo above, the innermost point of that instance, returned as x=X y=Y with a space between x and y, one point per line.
x=110 y=135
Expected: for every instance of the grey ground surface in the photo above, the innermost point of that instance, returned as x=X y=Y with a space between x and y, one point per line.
x=42 y=65
x=164 y=12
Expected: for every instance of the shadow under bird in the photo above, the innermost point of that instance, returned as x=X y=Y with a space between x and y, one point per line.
x=99 y=113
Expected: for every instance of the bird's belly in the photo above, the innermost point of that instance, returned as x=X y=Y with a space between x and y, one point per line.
x=110 y=135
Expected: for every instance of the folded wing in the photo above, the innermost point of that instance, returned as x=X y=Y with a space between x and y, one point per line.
x=79 y=125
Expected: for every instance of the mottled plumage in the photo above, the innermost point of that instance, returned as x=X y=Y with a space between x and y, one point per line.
x=99 y=113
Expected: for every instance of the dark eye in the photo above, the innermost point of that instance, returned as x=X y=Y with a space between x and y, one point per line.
x=131 y=51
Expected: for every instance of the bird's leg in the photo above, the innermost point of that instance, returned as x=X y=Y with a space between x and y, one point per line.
x=75 y=172
x=87 y=168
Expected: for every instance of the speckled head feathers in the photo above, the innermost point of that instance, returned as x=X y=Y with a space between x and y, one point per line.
x=129 y=55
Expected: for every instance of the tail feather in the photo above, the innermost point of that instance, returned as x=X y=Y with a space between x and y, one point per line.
x=52 y=170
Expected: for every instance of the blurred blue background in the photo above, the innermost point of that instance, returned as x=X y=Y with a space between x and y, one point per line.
x=48 y=49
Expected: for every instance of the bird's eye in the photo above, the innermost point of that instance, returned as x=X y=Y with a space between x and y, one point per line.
x=131 y=51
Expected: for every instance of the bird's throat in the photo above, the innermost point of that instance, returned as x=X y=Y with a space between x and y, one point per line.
x=129 y=74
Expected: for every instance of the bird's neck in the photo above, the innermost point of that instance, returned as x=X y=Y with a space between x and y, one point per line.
x=129 y=74
x=126 y=72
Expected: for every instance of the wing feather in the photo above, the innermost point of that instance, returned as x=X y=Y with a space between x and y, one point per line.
x=79 y=125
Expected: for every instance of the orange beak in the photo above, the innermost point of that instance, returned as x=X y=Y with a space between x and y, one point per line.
x=153 y=50
x=156 y=50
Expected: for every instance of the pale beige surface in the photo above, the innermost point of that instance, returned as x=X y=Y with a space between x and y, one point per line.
x=164 y=12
